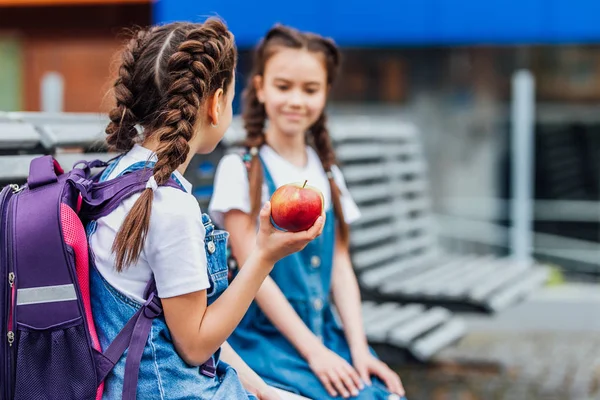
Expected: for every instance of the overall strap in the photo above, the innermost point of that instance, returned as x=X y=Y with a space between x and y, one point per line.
x=268 y=177
x=101 y=198
x=247 y=156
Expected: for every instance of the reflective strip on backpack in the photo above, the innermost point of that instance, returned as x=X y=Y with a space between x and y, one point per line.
x=46 y=294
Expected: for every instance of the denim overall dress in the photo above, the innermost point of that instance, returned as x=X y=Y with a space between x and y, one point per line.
x=305 y=280
x=163 y=374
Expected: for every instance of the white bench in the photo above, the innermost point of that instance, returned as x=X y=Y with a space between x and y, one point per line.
x=68 y=137
x=64 y=130
x=395 y=247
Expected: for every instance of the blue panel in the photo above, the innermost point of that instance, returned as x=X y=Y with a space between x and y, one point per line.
x=389 y=22
x=574 y=20
x=488 y=21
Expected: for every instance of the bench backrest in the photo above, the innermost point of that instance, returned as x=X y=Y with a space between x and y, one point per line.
x=386 y=173
x=26 y=135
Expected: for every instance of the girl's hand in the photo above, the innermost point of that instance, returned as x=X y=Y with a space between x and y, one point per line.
x=335 y=373
x=267 y=394
x=261 y=390
x=274 y=244
x=366 y=365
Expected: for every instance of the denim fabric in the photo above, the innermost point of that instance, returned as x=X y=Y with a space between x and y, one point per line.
x=163 y=374
x=305 y=280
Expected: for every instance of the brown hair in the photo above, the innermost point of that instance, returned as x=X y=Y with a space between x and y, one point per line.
x=254 y=113
x=166 y=74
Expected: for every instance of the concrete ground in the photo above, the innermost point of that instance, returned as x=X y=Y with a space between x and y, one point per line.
x=547 y=347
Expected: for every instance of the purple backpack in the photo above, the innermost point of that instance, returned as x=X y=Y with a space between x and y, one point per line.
x=49 y=348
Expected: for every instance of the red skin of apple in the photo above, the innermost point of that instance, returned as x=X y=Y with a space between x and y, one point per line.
x=295 y=206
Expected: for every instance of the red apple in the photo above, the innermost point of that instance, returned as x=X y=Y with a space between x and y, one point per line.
x=295 y=206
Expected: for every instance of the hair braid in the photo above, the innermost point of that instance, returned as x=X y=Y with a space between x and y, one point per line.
x=194 y=61
x=121 y=130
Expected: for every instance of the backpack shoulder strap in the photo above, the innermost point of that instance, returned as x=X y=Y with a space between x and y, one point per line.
x=101 y=198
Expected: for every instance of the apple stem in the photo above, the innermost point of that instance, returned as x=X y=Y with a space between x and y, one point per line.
x=304 y=183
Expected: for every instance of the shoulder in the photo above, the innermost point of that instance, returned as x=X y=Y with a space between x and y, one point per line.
x=174 y=203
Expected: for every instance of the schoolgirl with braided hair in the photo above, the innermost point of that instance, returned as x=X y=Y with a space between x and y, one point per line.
x=173 y=98
x=290 y=336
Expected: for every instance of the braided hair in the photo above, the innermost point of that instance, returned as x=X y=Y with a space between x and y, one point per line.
x=167 y=73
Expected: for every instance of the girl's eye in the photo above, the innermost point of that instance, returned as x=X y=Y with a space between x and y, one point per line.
x=282 y=87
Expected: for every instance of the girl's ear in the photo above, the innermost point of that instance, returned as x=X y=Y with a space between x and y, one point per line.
x=214 y=106
x=258 y=83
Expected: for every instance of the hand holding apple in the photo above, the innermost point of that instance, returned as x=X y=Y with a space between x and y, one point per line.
x=273 y=244
x=295 y=206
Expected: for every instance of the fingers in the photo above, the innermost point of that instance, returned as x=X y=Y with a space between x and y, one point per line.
x=399 y=387
x=364 y=374
x=265 y=213
x=338 y=384
x=355 y=377
x=324 y=378
x=348 y=380
x=390 y=378
x=316 y=229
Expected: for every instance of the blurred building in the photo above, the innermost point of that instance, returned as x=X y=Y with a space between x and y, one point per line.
x=66 y=45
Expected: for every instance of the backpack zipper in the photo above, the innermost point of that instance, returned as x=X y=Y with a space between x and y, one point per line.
x=11 y=292
x=8 y=207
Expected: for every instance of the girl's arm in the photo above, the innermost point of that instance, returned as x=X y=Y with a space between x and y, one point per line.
x=250 y=379
x=270 y=298
x=197 y=330
x=346 y=296
x=336 y=377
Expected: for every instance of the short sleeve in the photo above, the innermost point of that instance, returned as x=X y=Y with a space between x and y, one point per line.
x=230 y=188
x=174 y=245
x=351 y=211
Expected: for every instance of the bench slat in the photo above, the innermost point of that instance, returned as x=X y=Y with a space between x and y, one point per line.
x=73 y=134
x=424 y=348
x=375 y=255
x=377 y=331
x=395 y=268
x=13 y=168
x=409 y=284
x=373 y=234
x=443 y=282
x=379 y=312
x=384 y=170
x=17 y=135
x=362 y=127
x=440 y=280
x=67 y=160
x=496 y=280
x=535 y=278
x=384 y=192
x=389 y=230
x=459 y=283
x=403 y=335
x=351 y=152
x=372 y=213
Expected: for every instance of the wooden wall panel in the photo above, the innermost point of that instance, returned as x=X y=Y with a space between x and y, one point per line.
x=80 y=43
x=85 y=65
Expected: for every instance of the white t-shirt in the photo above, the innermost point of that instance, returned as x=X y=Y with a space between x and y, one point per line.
x=174 y=248
x=231 y=183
